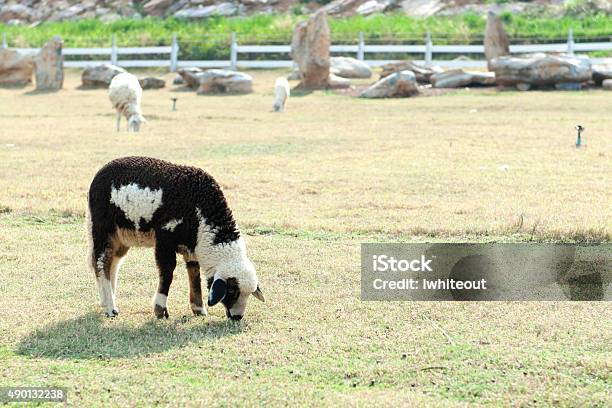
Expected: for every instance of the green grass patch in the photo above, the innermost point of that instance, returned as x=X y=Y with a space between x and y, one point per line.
x=210 y=38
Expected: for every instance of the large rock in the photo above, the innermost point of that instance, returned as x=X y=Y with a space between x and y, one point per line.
x=222 y=9
x=457 y=78
x=422 y=8
x=190 y=76
x=399 y=84
x=336 y=82
x=423 y=74
x=156 y=7
x=15 y=12
x=541 y=69
x=607 y=84
x=151 y=83
x=310 y=51
x=601 y=72
x=347 y=67
x=496 y=42
x=49 y=66
x=224 y=81
x=100 y=76
x=15 y=67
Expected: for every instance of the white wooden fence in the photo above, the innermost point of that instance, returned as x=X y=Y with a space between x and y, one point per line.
x=359 y=50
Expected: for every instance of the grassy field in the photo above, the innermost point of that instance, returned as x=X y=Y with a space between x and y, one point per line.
x=307 y=187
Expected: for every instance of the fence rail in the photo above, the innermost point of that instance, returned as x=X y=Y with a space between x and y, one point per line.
x=360 y=50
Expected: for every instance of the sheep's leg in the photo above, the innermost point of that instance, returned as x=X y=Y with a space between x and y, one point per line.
x=165 y=257
x=102 y=261
x=118 y=121
x=119 y=253
x=195 y=289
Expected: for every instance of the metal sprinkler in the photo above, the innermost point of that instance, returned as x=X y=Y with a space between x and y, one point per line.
x=173 y=103
x=580 y=129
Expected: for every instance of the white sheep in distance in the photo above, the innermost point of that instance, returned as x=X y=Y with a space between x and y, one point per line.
x=125 y=94
x=281 y=93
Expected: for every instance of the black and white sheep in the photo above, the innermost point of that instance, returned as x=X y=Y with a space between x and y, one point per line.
x=125 y=94
x=141 y=201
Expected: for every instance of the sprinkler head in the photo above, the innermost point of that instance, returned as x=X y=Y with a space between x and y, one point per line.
x=173 y=103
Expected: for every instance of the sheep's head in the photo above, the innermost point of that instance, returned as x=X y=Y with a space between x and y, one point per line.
x=232 y=285
x=134 y=122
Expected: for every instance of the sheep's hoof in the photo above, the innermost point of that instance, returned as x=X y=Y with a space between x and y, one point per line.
x=199 y=312
x=112 y=314
x=161 y=312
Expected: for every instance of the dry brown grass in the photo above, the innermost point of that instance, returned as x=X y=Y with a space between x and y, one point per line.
x=308 y=186
x=421 y=166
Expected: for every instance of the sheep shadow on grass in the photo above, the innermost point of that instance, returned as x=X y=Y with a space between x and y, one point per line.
x=92 y=336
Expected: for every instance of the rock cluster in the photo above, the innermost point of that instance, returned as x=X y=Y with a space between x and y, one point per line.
x=33 y=11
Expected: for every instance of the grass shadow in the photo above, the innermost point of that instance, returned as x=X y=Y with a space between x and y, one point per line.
x=92 y=336
x=35 y=92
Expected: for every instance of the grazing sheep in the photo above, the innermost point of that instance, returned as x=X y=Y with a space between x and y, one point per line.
x=125 y=94
x=141 y=201
x=281 y=93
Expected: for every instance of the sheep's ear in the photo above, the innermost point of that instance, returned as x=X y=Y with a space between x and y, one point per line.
x=259 y=295
x=217 y=292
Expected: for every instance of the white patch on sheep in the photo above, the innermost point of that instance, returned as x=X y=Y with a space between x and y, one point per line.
x=172 y=224
x=107 y=299
x=281 y=93
x=226 y=260
x=160 y=300
x=137 y=203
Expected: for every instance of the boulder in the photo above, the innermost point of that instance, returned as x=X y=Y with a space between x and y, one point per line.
x=601 y=72
x=190 y=76
x=224 y=81
x=541 y=69
x=496 y=42
x=371 y=7
x=178 y=80
x=100 y=76
x=457 y=78
x=15 y=67
x=221 y=9
x=15 y=12
x=156 y=7
x=422 y=8
x=151 y=83
x=347 y=67
x=310 y=51
x=398 y=84
x=422 y=73
x=336 y=82
x=49 y=66
x=607 y=84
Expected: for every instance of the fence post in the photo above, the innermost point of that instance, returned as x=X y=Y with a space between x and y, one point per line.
x=114 y=51
x=4 y=44
x=174 y=54
x=234 y=52
x=570 y=42
x=361 y=48
x=428 y=49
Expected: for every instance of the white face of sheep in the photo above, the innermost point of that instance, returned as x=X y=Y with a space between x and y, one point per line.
x=134 y=123
x=232 y=285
